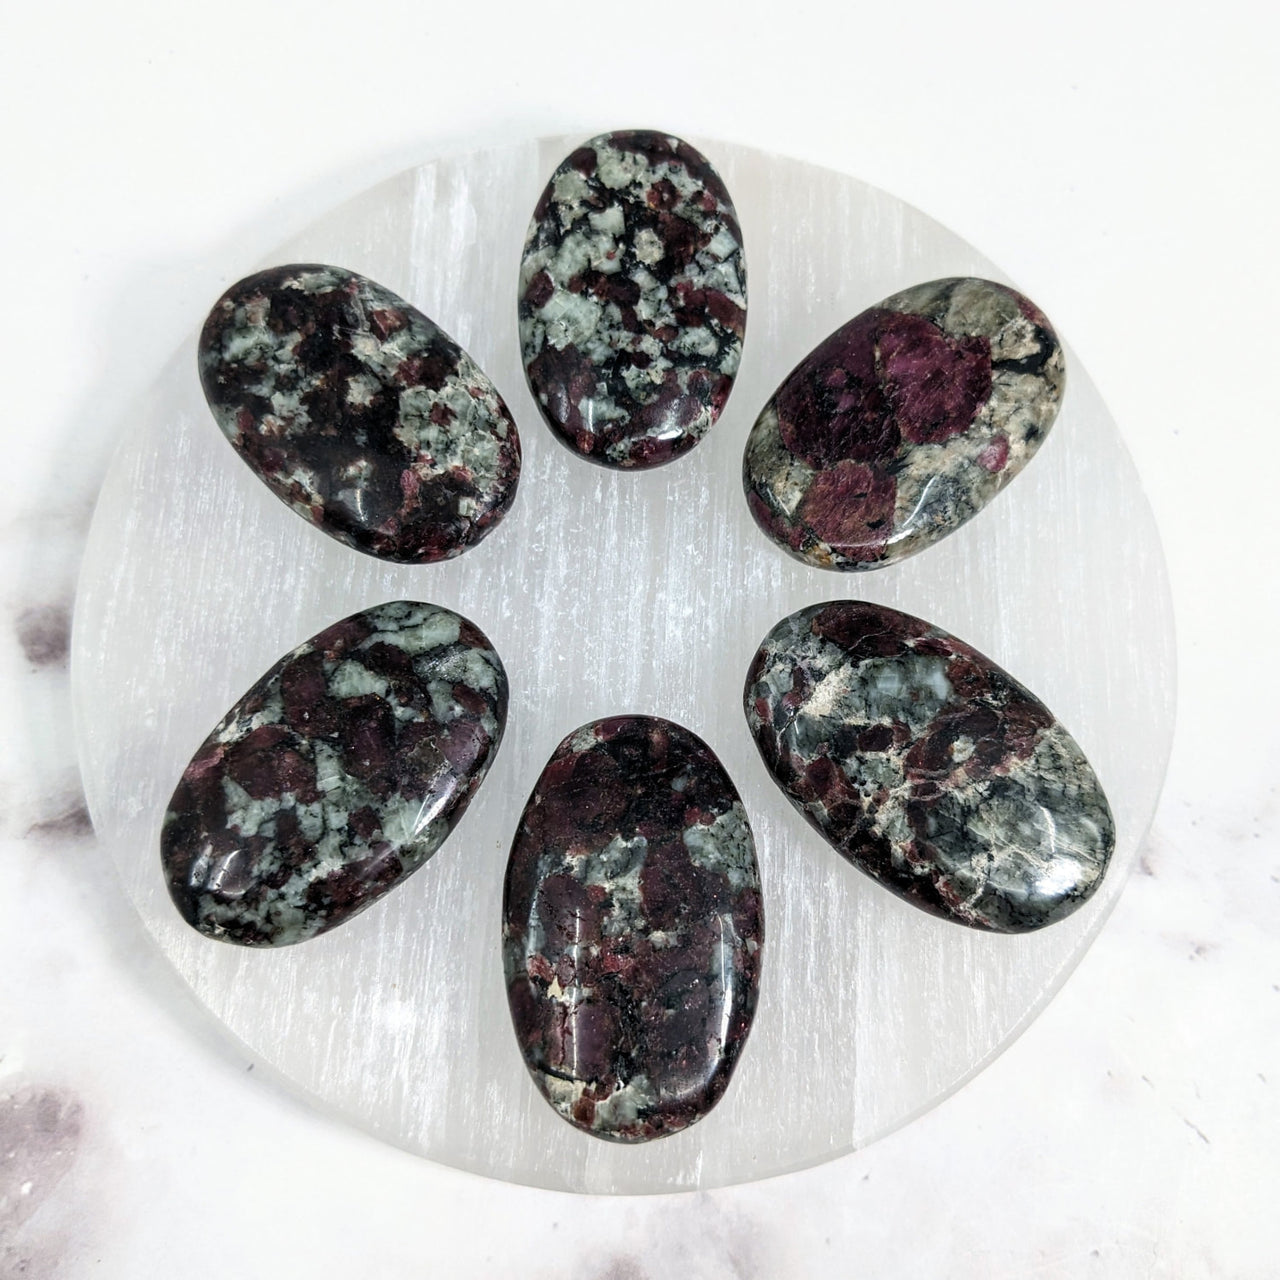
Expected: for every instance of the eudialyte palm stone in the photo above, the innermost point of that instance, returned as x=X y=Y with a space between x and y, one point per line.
x=336 y=776
x=359 y=412
x=633 y=299
x=928 y=767
x=903 y=424
x=632 y=929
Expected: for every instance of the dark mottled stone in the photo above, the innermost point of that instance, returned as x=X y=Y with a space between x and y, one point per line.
x=928 y=767
x=632 y=929
x=633 y=299
x=335 y=777
x=903 y=424
x=359 y=413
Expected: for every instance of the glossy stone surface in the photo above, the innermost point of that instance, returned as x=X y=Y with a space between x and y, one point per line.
x=632 y=929
x=633 y=297
x=903 y=424
x=928 y=767
x=336 y=776
x=359 y=412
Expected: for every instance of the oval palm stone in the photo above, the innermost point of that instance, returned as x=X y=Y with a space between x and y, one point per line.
x=903 y=424
x=336 y=776
x=632 y=929
x=928 y=767
x=633 y=299
x=359 y=413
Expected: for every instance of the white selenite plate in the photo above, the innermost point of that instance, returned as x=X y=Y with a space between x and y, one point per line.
x=610 y=593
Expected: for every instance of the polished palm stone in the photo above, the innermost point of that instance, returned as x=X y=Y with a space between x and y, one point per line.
x=903 y=424
x=632 y=929
x=633 y=298
x=928 y=767
x=336 y=776
x=359 y=412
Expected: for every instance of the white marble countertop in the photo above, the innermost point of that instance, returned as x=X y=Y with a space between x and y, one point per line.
x=1117 y=165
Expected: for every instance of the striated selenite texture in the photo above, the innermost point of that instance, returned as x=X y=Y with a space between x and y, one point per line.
x=612 y=593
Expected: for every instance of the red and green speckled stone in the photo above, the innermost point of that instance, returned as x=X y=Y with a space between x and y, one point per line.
x=903 y=424
x=633 y=299
x=928 y=767
x=335 y=777
x=359 y=412
x=632 y=929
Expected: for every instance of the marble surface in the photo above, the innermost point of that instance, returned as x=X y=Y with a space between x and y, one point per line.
x=1129 y=1132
